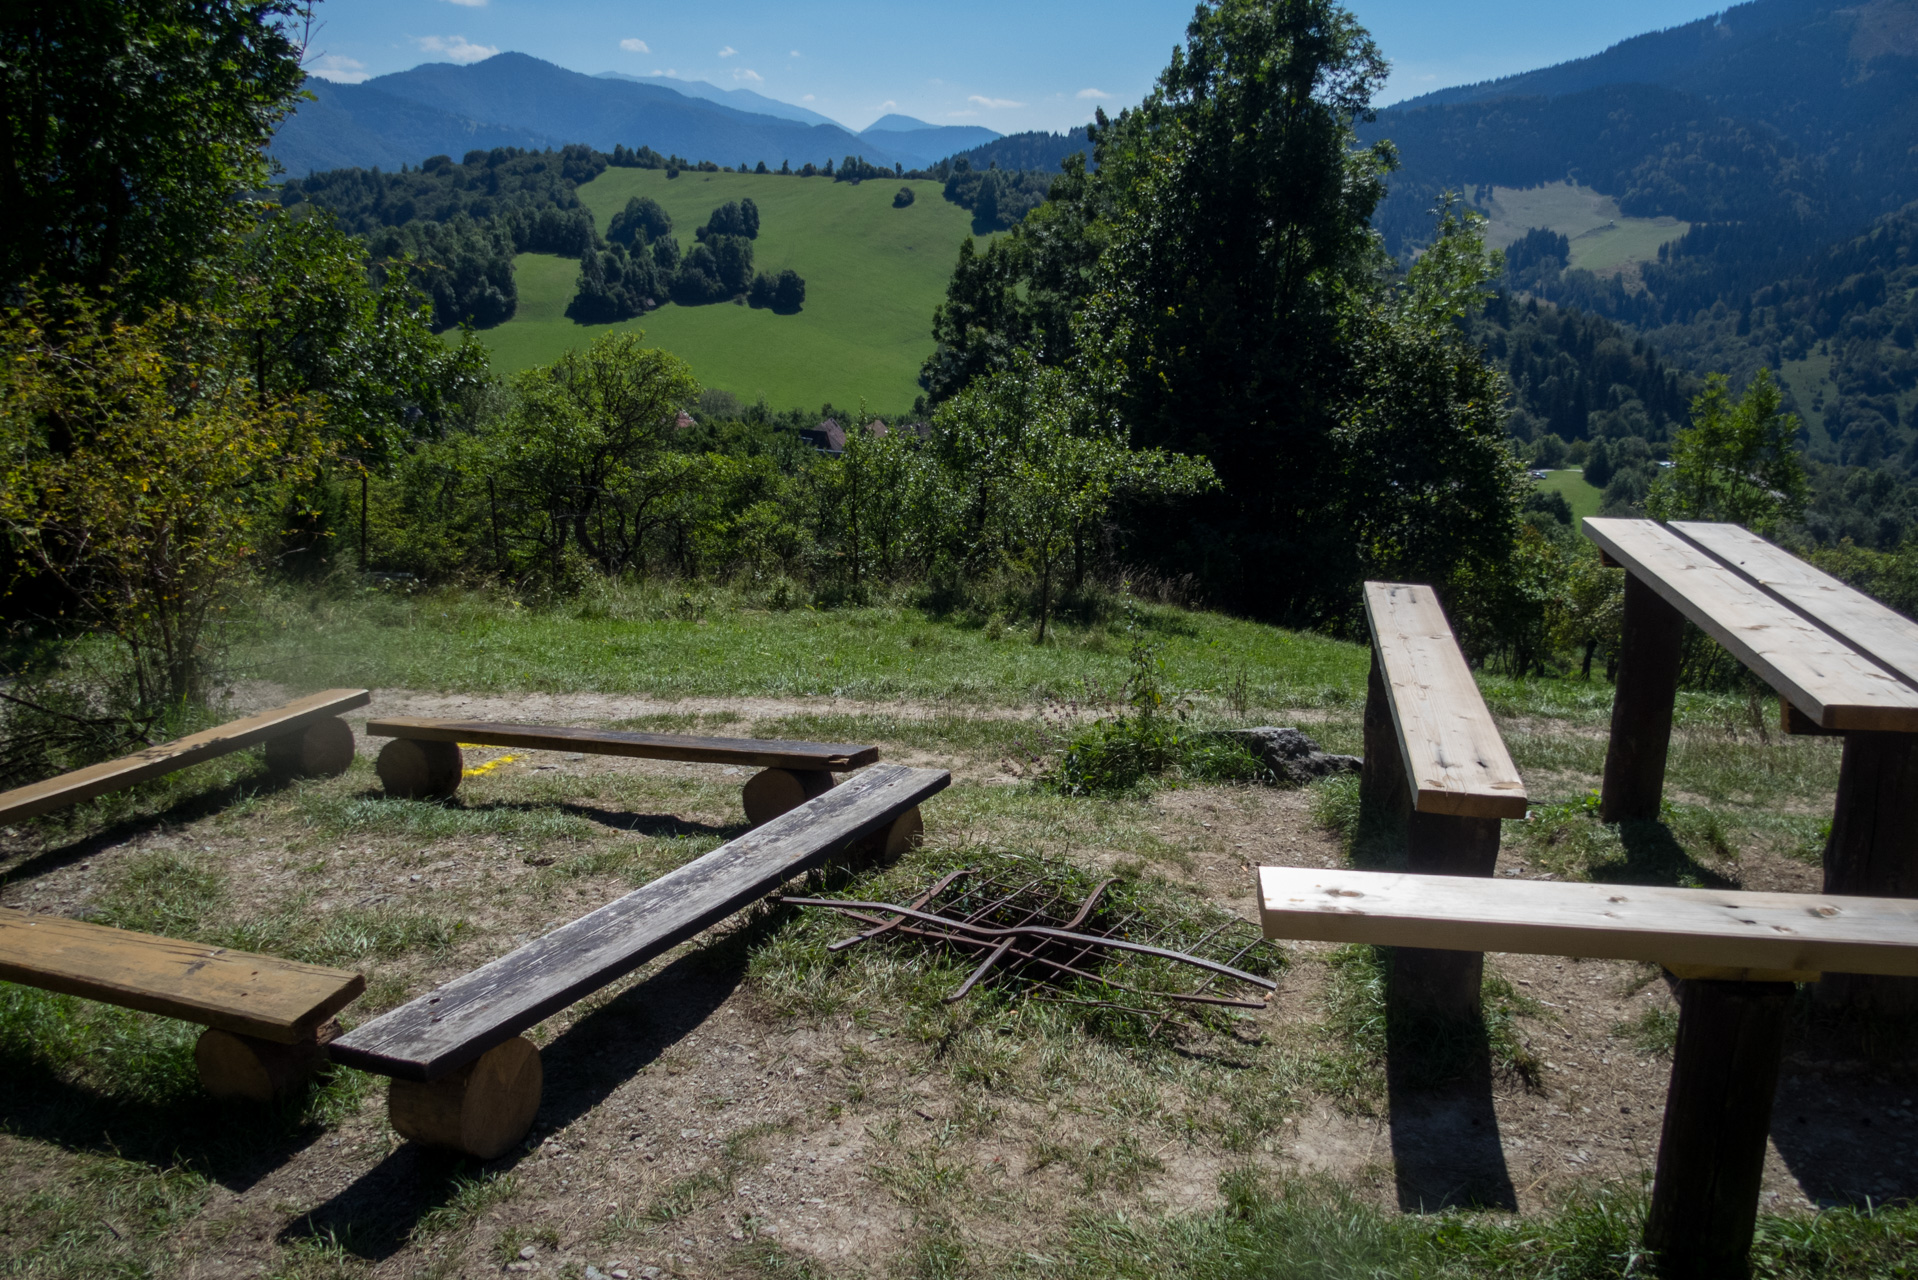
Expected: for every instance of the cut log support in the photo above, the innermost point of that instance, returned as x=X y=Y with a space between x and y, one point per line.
x=1711 y=1156
x=771 y=792
x=1873 y=853
x=479 y=1110
x=246 y=1067
x=419 y=769
x=1383 y=798
x=1648 y=661
x=1426 y=982
x=323 y=749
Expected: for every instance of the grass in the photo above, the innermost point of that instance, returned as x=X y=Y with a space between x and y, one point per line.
x=1603 y=240
x=873 y=276
x=1582 y=497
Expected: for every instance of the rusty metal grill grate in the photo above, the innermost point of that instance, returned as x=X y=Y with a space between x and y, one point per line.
x=1033 y=935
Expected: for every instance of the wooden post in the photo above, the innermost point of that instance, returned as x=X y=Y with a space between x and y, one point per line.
x=1642 y=706
x=771 y=792
x=482 y=1109
x=1384 y=797
x=1426 y=982
x=1711 y=1156
x=1873 y=852
x=324 y=749
x=236 y=1066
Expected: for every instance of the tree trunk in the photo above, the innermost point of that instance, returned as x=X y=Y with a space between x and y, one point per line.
x=1642 y=706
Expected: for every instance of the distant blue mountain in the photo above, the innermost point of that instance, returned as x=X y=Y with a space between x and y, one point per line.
x=896 y=123
x=358 y=126
x=740 y=99
x=919 y=144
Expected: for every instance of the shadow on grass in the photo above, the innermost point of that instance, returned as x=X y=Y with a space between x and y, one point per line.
x=190 y=809
x=1843 y=1119
x=1446 y=1150
x=376 y=1216
x=663 y=826
x=1653 y=856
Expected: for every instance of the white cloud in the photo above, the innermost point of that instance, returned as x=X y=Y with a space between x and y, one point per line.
x=793 y=54
x=728 y=52
x=1092 y=93
x=808 y=98
x=340 y=70
x=995 y=103
x=741 y=73
x=468 y=4
x=456 y=48
x=632 y=44
x=888 y=105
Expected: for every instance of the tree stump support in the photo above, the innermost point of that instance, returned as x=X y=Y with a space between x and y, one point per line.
x=419 y=768
x=1873 y=853
x=1431 y=983
x=1647 y=689
x=323 y=749
x=771 y=792
x=480 y=1110
x=1711 y=1154
x=236 y=1066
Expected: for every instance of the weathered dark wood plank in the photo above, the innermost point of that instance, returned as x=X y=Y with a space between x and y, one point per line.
x=97 y=780
x=261 y=996
x=454 y=1024
x=765 y=753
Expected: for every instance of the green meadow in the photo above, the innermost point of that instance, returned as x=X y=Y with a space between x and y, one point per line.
x=1603 y=240
x=873 y=275
x=1582 y=497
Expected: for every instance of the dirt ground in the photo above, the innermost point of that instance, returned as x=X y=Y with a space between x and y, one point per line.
x=689 y=1127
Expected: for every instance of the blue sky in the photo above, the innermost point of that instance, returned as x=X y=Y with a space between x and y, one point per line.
x=1006 y=64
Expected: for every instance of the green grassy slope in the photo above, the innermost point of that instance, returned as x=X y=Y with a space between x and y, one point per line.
x=873 y=276
x=1603 y=239
x=1582 y=497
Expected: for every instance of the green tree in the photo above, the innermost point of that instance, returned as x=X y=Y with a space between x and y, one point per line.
x=127 y=127
x=1737 y=462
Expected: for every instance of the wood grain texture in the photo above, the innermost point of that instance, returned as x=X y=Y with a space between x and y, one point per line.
x=1830 y=681
x=1786 y=932
x=96 y=780
x=1651 y=650
x=771 y=792
x=1455 y=762
x=452 y=1025
x=480 y=1110
x=767 y=753
x=251 y=995
x=1857 y=619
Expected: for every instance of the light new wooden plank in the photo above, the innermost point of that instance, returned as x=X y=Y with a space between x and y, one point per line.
x=1861 y=622
x=765 y=753
x=1725 y=930
x=114 y=775
x=454 y=1024
x=1455 y=761
x=1831 y=682
x=261 y=996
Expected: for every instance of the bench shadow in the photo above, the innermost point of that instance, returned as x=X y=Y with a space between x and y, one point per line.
x=374 y=1217
x=664 y=825
x=1653 y=856
x=234 y=1143
x=1446 y=1149
x=189 y=809
x=1844 y=1119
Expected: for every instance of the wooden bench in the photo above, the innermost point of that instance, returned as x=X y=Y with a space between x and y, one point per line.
x=1841 y=663
x=1435 y=766
x=304 y=738
x=464 y=1077
x=1737 y=955
x=424 y=761
x=266 y=1018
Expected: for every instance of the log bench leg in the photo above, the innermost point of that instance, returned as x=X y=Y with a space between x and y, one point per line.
x=772 y=792
x=480 y=1110
x=237 y=1066
x=1711 y=1155
x=1873 y=852
x=323 y=749
x=1428 y=983
x=1384 y=799
x=417 y=769
x=1648 y=660
x=890 y=842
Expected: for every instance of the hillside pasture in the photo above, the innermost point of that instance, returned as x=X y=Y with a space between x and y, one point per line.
x=873 y=275
x=1604 y=240
x=1579 y=495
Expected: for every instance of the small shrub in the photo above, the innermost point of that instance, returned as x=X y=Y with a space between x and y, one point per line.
x=903 y=198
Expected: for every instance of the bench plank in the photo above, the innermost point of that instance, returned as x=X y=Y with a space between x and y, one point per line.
x=261 y=996
x=454 y=1024
x=1776 y=932
x=114 y=775
x=1455 y=761
x=765 y=753
x=1831 y=682
x=1857 y=619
